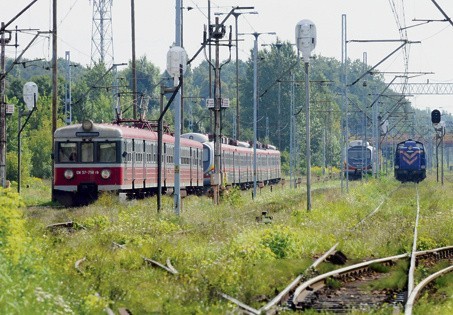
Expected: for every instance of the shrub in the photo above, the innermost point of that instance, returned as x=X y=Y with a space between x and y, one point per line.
x=13 y=234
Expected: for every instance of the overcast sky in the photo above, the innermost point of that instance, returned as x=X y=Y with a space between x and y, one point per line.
x=155 y=31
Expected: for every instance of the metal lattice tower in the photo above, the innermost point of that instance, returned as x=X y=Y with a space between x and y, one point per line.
x=102 y=33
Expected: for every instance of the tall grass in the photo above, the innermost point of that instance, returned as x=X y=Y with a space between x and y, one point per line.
x=225 y=248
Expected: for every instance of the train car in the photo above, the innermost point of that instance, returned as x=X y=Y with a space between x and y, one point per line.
x=237 y=162
x=360 y=159
x=91 y=158
x=410 y=161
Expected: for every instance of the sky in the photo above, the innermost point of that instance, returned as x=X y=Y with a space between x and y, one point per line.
x=155 y=32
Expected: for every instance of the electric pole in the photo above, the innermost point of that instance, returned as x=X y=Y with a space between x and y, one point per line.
x=3 y=42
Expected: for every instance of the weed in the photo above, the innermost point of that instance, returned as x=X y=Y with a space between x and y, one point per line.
x=333 y=283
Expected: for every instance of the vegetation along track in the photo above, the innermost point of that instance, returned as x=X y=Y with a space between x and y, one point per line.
x=222 y=249
x=343 y=289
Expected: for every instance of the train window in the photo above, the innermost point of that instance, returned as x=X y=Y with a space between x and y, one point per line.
x=107 y=152
x=67 y=152
x=359 y=153
x=87 y=149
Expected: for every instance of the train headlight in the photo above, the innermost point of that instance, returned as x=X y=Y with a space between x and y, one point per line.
x=68 y=174
x=397 y=167
x=423 y=167
x=87 y=125
x=105 y=174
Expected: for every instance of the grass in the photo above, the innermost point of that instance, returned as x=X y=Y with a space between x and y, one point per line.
x=214 y=248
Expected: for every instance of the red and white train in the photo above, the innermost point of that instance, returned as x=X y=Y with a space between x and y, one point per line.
x=91 y=158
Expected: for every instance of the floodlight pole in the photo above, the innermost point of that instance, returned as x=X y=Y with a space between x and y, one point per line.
x=307 y=136
x=306 y=42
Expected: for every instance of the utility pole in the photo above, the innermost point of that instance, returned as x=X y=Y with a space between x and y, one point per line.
x=344 y=125
x=279 y=105
x=3 y=42
x=67 y=94
x=134 y=71
x=292 y=122
x=255 y=104
x=216 y=179
x=54 y=84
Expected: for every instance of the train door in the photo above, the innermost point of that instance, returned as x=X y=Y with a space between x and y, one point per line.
x=133 y=164
x=153 y=167
x=268 y=168
x=143 y=162
x=238 y=166
x=200 y=167
x=164 y=165
x=234 y=167
x=127 y=156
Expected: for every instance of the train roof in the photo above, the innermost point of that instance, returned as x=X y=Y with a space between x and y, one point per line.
x=234 y=148
x=199 y=137
x=358 y=143
x=410 y=142
x=227 y=143
x=104 y=131
x=114 y=131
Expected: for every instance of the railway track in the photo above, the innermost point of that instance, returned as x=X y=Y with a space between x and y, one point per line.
x=317 y=293
x=343 y=290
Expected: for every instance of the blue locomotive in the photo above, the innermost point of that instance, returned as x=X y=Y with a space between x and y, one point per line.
x=410 y=161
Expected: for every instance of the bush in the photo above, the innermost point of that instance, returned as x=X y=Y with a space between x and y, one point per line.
x=13 y=234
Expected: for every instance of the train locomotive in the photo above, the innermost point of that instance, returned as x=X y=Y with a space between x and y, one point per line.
x=91 y=158
x=410 y=161
x=360 y=159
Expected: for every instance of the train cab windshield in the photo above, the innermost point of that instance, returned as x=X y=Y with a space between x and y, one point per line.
x=88 y=152
x=67 y=152
x=359 y=153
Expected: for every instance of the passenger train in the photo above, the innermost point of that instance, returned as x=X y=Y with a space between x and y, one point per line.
x=237 y=161
x=410 y=161
x=360 y=159
x=91 y=158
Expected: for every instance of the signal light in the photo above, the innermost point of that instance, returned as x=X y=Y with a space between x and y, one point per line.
x=435 y=116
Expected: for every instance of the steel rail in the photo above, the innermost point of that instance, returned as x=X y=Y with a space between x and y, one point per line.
x=285 y=292
x=410 y=276
x=318 y=282
x=269 y=308
x=420 y=286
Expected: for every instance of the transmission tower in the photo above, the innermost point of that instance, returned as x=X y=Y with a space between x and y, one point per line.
x=102 y=33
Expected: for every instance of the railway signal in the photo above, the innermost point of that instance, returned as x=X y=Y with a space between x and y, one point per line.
x=435 y=116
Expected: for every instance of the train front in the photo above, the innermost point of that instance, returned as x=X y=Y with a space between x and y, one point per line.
x=87 y=160
x=410 y=164
x=359 y=160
